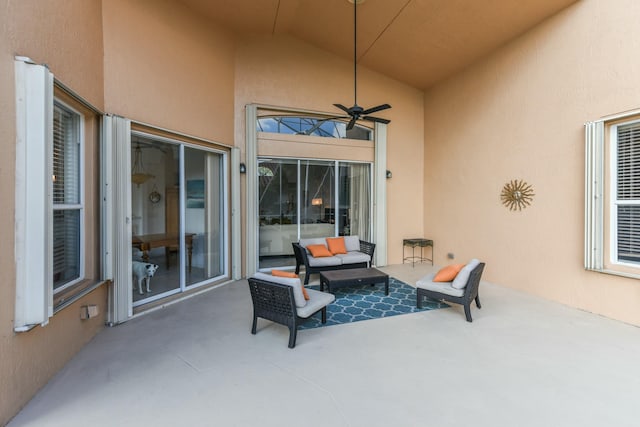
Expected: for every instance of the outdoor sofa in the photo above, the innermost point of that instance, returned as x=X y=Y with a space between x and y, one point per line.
x=359 y=254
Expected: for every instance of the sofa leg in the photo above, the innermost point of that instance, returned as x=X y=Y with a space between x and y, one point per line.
x=324 y=315
x=467 y=311
x=293 y=331
x=306 y=277
x=478 y=301
x=255 y=322
x=419 y=301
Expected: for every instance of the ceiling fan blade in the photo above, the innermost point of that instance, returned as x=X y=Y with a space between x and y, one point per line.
x=376 y=119
x=378 y=108
x=343 y=108
x=352 y=123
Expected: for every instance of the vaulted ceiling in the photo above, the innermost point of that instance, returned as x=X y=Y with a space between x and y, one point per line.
x=418 y=42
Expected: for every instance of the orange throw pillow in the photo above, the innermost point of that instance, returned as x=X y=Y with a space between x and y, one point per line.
x=280 y=273
x=288 y=274
x=448 y=273
x=319 y=251
x=336 y=245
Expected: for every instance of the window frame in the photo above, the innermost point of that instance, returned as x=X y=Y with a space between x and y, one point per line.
x=260 y=144
x=298 y=214
x=80 y=206
x=600 y=219
x=313 y=125
x=92 y=269
x=614 y=201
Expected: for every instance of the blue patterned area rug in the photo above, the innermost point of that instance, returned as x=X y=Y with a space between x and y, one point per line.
x=356 y=303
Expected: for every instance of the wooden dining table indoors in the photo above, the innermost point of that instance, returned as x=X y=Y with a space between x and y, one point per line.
x=169 y=241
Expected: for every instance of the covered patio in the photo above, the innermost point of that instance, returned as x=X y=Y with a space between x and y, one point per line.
x=483 y=95
x=524 y=361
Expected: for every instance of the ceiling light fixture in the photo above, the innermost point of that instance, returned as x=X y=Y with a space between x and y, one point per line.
x=138 y=175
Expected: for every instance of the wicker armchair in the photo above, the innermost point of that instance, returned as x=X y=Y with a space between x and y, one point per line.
x=302 y=258
x=274 y=299
x=443 y=291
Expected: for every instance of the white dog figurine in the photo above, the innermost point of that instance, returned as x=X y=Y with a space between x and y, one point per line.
x=143 y=271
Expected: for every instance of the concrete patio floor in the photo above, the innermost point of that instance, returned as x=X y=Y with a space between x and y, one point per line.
x=523 y=361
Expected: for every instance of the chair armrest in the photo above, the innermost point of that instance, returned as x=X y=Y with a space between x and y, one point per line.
x=367 y=248
x=301 y=256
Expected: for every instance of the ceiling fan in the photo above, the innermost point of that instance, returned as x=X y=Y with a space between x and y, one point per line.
x=356 y=112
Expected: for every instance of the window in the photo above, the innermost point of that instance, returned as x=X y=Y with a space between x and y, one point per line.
x=260 y=145
x=612 y=190
x=326 y=127
x=67 y=197
x=625 y=206
x=302 y=198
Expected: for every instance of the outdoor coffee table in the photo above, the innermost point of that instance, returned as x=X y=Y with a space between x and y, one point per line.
x=353 y=277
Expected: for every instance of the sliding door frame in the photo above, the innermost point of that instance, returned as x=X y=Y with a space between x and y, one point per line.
x=117 y=231
x=379 y=196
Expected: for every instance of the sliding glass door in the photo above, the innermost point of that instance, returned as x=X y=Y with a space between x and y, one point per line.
x=354 y=214
x=278 y=207
x=155 y=208
x=204 y=215
x=317 y=199
x=306 y=198
x=178 y=217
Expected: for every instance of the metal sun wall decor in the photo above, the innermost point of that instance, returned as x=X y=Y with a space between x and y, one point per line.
x=517 y=195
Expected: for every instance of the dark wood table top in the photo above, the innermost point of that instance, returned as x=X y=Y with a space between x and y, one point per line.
x=352 y=274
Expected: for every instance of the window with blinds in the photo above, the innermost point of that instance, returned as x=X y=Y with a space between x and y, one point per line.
x=67 y=197
x=627 y=200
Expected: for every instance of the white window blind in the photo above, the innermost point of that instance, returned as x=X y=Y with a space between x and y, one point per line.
x=627 y=192
x=67 y=197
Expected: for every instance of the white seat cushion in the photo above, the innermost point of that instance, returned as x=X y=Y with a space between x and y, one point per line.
x=325 y=261
x=317 y=300
x=295 y=283
x=354 y=257
x=443 y=287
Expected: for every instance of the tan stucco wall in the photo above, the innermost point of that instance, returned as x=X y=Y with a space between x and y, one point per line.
x=40 y=29
x=280 y=71
x=167 y=66
x=519 y=114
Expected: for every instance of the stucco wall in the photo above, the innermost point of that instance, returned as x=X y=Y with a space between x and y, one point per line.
x=284 y=72
x=41 y=30
x=167 y=66
x=519 y=114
